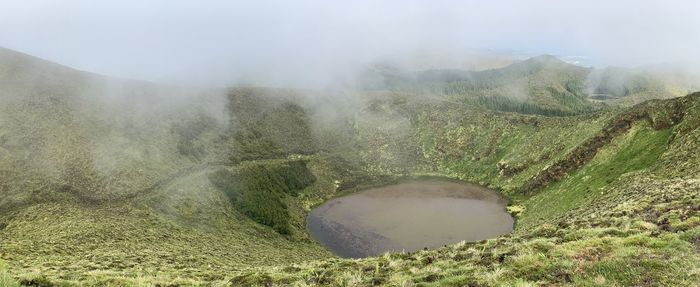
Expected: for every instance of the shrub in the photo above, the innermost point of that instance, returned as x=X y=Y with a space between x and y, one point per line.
x=258 y=190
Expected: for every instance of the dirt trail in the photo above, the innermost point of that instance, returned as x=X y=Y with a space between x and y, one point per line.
x=167 y=180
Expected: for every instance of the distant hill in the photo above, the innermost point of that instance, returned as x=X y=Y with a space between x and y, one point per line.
x=619 y=86
x=541 y=85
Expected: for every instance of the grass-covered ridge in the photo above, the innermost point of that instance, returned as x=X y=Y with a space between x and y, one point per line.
x=639 y=149
x=616 y=221
x=216 y=192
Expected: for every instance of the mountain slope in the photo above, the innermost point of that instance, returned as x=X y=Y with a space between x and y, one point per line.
x=625 y=217
x=120 y=182
x=540 y=85
x=544 y=85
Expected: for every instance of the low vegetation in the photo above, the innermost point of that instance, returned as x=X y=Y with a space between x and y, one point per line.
x=96 y=195
x=260 y=191
x=613 y=222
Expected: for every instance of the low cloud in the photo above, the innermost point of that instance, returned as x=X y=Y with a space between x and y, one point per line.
x=314 y=42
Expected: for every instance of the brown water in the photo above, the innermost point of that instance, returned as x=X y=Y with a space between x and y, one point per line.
x=408 y=217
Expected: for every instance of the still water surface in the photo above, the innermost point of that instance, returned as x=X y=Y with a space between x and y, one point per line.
x=408 y=217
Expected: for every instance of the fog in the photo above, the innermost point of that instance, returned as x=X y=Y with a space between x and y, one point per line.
x=315 y=42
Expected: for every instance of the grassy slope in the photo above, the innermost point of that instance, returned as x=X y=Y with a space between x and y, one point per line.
x=585 y=245
x=545 y=85
x=623 y=219
x=5 y=277
x=541 y=85
x=639 y=149
x=152 y=215
x=626 y=87
x=91 y=164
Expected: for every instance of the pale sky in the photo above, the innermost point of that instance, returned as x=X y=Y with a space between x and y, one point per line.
x=223 y=41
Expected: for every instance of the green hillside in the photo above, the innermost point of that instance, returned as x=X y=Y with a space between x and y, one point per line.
x=542 y=85
x=624 y=216
x=626 y=87
x=114 y=182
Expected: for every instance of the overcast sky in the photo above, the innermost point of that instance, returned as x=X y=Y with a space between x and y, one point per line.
x=224 y=41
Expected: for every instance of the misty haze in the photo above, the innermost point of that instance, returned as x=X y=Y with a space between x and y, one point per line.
x=337 y=143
